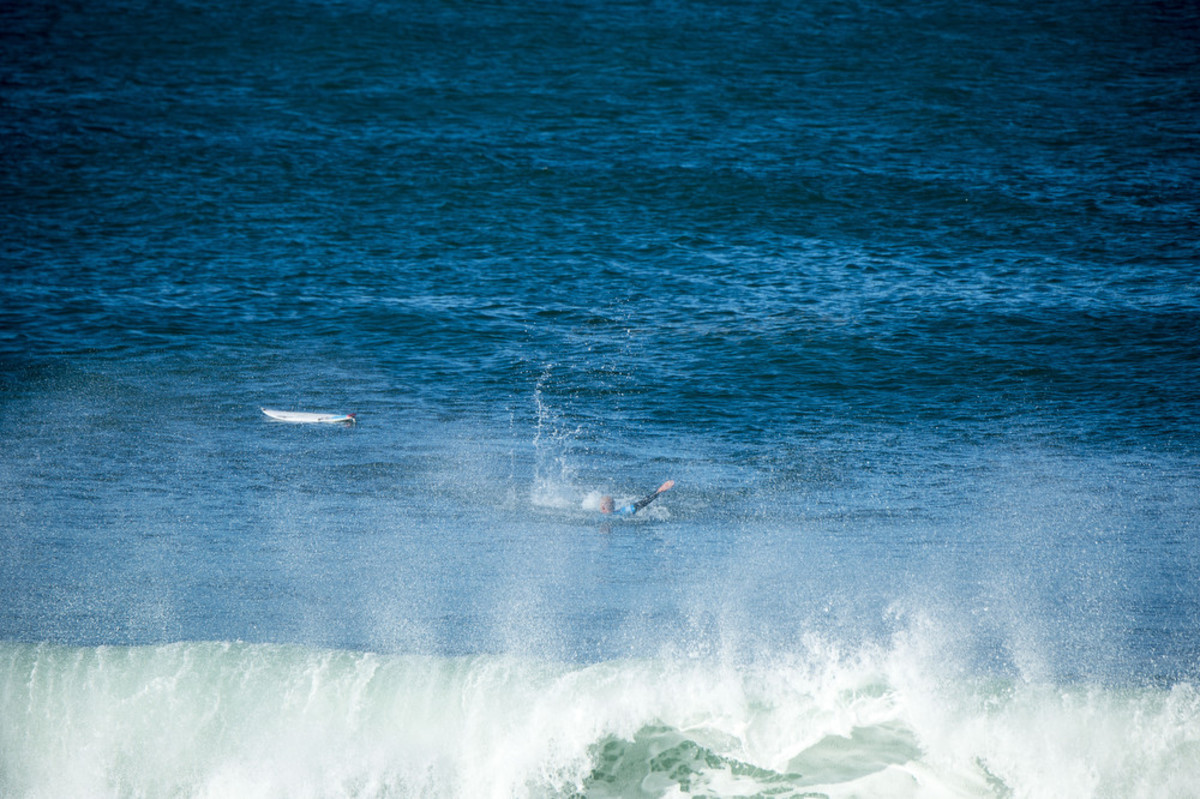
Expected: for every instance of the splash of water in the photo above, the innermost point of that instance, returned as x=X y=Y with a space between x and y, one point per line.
x=553 y=439
x=228 y=719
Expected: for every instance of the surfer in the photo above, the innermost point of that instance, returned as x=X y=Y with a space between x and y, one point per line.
x=606 y=502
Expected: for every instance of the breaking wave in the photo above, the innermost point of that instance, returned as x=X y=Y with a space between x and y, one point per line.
x=262 y=720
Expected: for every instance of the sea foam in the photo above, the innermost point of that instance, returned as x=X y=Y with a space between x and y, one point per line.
x=260 y=720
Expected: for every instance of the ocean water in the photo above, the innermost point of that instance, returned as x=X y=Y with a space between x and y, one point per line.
x=905 y=297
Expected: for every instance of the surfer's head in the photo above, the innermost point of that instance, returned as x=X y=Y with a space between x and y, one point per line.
x=606 y=504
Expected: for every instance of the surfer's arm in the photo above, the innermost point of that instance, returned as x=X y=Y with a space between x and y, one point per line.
x=629 y=510
x=646 y=500
x=641 y=503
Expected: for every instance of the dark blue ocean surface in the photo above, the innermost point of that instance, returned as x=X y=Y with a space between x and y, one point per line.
x=904 y=297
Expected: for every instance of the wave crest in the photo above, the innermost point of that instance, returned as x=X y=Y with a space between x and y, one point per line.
x=233 y=719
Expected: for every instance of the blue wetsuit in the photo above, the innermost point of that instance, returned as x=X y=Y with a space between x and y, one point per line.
x=629 y=510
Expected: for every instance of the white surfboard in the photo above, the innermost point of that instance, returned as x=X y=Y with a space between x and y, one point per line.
x=308 y=418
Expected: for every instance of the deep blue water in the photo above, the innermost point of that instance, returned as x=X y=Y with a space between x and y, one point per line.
x=904 y=297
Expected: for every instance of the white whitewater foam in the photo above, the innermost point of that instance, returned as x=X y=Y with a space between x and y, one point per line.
x=214 y=720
